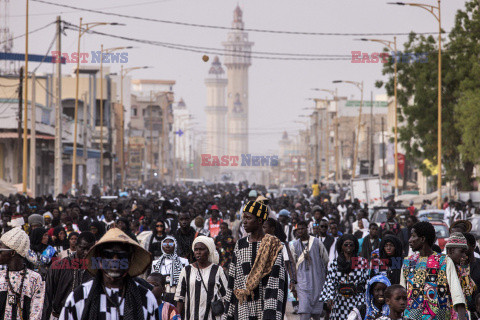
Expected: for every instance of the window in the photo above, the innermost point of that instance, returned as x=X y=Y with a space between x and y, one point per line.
x=134 y=112
x=46 y=116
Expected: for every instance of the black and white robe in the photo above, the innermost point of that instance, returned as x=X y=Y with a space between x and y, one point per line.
x=75 y=304
x=192 y=293
x=268 y=300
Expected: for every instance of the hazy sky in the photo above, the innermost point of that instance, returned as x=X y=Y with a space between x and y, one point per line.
x=278 y=89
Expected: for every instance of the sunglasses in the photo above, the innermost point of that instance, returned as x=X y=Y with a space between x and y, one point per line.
x=315 y=224
x=324 y=226
x=110 y=254
x=160 y=226
x=348 y=245
x=169 y=244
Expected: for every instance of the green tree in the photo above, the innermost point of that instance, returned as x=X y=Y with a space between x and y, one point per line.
x=417 y=95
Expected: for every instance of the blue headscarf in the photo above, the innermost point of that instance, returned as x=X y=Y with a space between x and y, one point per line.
x=371 y=309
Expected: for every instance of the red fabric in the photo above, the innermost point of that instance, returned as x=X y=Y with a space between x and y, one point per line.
x=214 y=228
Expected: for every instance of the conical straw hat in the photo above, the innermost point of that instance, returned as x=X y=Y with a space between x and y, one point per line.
x=139 y=262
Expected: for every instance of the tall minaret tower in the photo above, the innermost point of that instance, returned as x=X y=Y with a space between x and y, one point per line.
x=216 y=109
x=237 y=61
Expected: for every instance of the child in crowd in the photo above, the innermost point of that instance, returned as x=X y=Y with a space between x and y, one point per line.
x=166 y=311
x=375 y=297
x=396 y=299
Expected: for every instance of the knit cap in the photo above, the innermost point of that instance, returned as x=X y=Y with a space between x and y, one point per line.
x=16 y=239
x=456 y=240
x=36 y=219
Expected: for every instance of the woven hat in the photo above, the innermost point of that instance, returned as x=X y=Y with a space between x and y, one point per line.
x=467 y=225
x=257 y=209
x=140 y=260
x=17 y=239
x=36 y=219
x=457 y=240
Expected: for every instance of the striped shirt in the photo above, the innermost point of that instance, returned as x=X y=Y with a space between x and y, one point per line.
x=192 y=292
x=76 y=302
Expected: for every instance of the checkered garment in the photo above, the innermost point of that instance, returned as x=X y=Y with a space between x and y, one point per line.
x=343 y=305
x=268 y=297
x=76 y=301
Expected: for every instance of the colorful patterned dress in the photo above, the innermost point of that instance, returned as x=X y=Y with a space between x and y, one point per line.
x=428 y=293
x=468 y=286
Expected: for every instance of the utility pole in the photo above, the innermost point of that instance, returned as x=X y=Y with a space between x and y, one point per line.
x=33 y=140
x=151 y=136
x=20 y=115
x=370 y=156
x=85 y=139
x=383 y=151
x=58 y=166
x=327 y=140
x=317 y=176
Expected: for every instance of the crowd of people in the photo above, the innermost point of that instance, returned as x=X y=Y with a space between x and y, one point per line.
x=230 y=252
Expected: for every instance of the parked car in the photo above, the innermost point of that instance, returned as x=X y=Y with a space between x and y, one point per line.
x=379 y=215
x=289 y=192
x=273 y=192
x=431 y=215
x=442 y=233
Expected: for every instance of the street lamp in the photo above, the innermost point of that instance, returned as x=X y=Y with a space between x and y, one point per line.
x=83 y=28
x=359 y=85
x=435 y=11
x=334 y=93
x=123 y=73
x=393 y=46
x=109 y=50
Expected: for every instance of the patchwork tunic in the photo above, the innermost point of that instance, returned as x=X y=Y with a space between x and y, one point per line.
x=343 y=305
x=33 y=294
x=432 y=287
x=268 y=297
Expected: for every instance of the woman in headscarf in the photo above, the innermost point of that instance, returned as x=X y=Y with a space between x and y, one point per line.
x=153 y=242
x=60 y=241
x=202 y=284
x=98 y=229
x=41 y=246
x=391 y=258
x=375 y=296
x=170 y=265
x=347 y=277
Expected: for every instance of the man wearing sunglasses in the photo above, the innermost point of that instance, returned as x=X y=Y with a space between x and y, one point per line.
x=326 y=239
x=114 y=261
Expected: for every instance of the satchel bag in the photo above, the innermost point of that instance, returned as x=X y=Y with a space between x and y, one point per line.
x=217 y=305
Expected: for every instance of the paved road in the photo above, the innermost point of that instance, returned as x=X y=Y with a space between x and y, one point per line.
x=289 y=313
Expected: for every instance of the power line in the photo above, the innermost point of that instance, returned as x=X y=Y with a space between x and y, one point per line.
x=30 y=32
x=188 y=24
x=216 y=51
x=114 y=7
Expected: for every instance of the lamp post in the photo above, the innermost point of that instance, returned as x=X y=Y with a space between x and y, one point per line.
x=82 y=29
x=334 y=93
x=393 y=46
x=435 y=11
x=25 y=112
x=109 y=50
x=359 y=85
x=123 y=73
